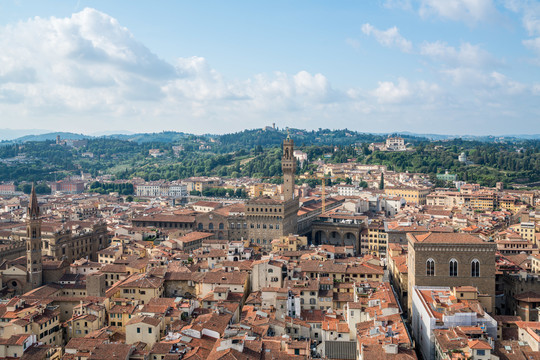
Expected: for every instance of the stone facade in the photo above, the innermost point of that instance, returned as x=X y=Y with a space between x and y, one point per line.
x=288 y=165
x=431 y=257
x=269 y=219
x=34 y=266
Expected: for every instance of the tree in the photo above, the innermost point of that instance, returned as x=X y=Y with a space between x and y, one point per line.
x=42 y=188
x=381 y=184
x=129 y=198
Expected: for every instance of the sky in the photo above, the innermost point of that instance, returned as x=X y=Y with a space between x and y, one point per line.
x=424 y=66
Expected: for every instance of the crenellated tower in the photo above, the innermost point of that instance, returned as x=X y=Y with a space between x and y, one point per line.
x=288 y=166
x=34 y=266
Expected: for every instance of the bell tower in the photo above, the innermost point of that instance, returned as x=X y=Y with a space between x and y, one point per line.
x=34 y=266
x=288 y=166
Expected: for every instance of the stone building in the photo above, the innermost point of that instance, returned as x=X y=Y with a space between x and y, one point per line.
x=49 y=249
x=451 y=259
x=339 y=228
x=269 y=218
x=34 y=266
x=70 y=240
x=517 y=289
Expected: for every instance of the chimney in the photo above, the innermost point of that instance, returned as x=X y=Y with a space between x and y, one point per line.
x=390 y=348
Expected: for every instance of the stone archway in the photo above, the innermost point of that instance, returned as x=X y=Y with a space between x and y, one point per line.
x=349 y=239
x=320 y=237
x=335 y=238
x=15 y=285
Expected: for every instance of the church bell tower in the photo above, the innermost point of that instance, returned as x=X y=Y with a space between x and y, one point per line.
x=34 y=266
x=288 y=166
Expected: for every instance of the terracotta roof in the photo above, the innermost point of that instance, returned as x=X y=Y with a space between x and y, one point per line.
x=145 y=320
x=194 y=235
x=479 y=345
x=529 y=296
x=445 y=238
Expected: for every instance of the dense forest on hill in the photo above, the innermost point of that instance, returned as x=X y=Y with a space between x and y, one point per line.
x=257 y=153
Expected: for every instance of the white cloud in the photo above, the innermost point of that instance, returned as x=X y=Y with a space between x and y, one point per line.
x=467 y=55
x=486 y=83
x=533 y=44
x=388 y=38
x=531 y=19
x=530 y=11
x=470 y=11
x=89 y=64
x=507 y=85
x=404 y=91
x=388 y=92
x=88 y=73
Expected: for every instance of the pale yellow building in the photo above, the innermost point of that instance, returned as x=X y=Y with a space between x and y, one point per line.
x=86 y=319
x=535 y=263
x=22 y=318
x=289 y=243
x=410 y=194
x=141 y=287
x=144 y=329
x=527 y=230
x=121 y=313
x=377 y=240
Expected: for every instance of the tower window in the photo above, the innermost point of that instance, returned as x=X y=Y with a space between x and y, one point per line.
x=453 y=268
x=475 y=268
x=430 y=267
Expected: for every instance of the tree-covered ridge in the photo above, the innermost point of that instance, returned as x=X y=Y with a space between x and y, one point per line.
x=509 y=163
x=257 y=153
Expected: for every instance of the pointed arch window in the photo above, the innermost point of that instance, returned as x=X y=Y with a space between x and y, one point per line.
x=453 y=268
x=430 y=267
x=475 y=268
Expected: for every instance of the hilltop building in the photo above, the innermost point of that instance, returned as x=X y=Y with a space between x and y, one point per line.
x=393 y=143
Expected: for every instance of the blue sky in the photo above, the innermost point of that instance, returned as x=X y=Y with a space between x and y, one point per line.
x=428 y=66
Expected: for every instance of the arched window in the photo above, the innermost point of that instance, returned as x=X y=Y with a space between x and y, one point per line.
x=221 y=226
x=200 y=226
x=211 y=226
x=430 y=267
x=475 y=268
x=453 y=268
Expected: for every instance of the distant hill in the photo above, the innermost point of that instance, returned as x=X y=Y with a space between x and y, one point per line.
x=162 y=137
x=52 y=136
x=483 y=138
x=253 y=137
x=11 y=134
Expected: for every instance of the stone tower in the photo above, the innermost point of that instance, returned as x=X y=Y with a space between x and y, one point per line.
x=33 y=243
x=288 y=166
